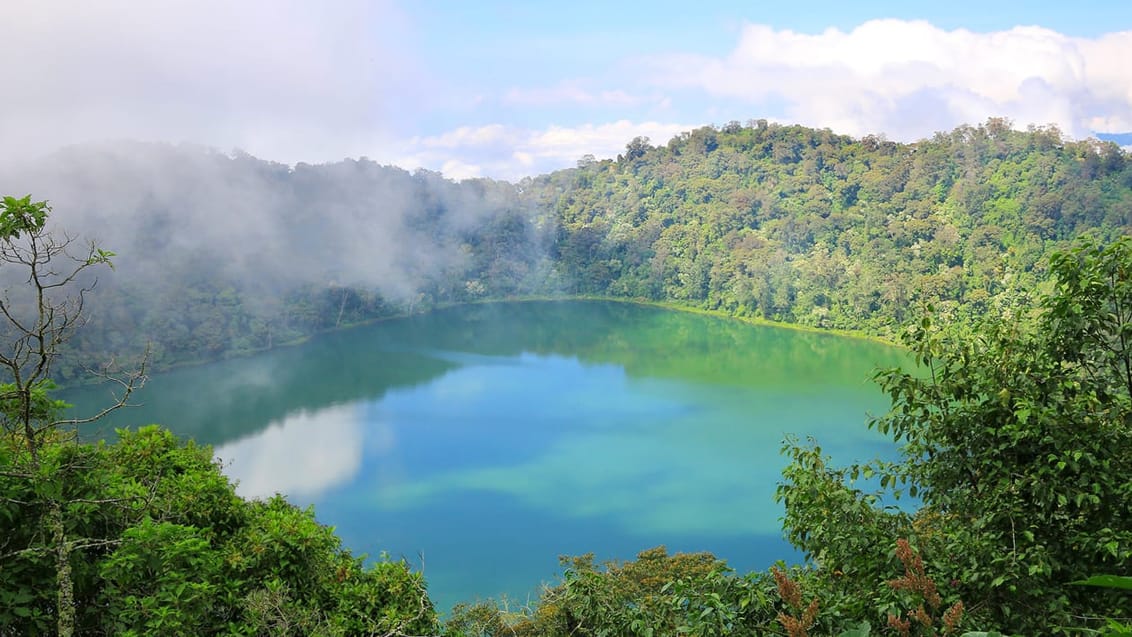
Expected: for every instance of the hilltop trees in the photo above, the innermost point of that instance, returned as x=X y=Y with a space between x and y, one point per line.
x=806 y=226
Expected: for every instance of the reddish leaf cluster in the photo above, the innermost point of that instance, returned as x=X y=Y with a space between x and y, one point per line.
x=789 y=591
x=915 y=580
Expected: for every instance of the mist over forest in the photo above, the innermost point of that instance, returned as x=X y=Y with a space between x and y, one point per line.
x=216 y=253
x=226 y=253
x=351 y=223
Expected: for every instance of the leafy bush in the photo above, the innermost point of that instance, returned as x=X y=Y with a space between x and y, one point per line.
x=1015 y=438
x=169 y=548
x=656 y=594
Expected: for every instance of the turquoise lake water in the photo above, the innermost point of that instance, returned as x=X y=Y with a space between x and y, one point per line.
x=484 y=441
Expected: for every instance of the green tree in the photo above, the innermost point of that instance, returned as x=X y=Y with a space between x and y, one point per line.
x=657 y=594
x=1016 y=439
x=39 y=317
x=181 y=554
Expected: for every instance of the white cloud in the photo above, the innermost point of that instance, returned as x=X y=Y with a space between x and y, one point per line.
x=1110 y=123
x=456 y=169
x=910 y=78
x=466 y=136
x=508 y=152
x=601 y=140
x=283 y=79
x=290 y=80
x=906 y=79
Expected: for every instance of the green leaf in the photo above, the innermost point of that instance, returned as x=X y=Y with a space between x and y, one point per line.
x=863 y=630
x=1107 y=581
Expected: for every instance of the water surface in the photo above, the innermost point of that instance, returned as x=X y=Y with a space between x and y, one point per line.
x=485 y=441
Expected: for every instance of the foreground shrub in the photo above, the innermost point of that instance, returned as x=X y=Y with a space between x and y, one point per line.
x=169 y=548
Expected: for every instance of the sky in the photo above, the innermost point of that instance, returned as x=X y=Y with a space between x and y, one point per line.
x=506 y=89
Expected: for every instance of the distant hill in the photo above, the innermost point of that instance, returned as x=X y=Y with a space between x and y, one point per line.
x=806 y=226
x=222 y=254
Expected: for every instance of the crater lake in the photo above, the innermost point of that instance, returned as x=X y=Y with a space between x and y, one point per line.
x=482 y=442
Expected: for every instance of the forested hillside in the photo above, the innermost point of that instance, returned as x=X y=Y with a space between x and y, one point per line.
x=223 y=254
x=800 y=225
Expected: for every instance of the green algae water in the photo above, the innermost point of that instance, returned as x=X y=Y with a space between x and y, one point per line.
x=482 y=442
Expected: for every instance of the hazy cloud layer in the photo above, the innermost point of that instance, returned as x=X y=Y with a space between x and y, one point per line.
x=509 y=152
x=294 y=81
x=170 y=208
x=284 y=79
x=909 y=79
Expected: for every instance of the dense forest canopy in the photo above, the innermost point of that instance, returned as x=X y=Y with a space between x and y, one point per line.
x=223 y=254
x=802 y=225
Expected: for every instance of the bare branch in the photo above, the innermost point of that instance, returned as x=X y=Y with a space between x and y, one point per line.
x=129 y=385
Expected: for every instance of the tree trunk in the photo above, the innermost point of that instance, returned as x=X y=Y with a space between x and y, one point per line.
x=65 y=604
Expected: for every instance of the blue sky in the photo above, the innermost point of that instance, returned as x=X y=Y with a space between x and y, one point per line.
x=505 y=89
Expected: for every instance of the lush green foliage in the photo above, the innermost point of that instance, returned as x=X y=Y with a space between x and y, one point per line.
x=805 y=226
x=169 y=548
x=697 y=595
x=1016 y=441
x=1112 y=627
x=37 y=319
x=657 y=594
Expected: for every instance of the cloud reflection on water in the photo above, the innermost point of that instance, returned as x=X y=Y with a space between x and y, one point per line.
x=301 y=456
x=652 y=457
